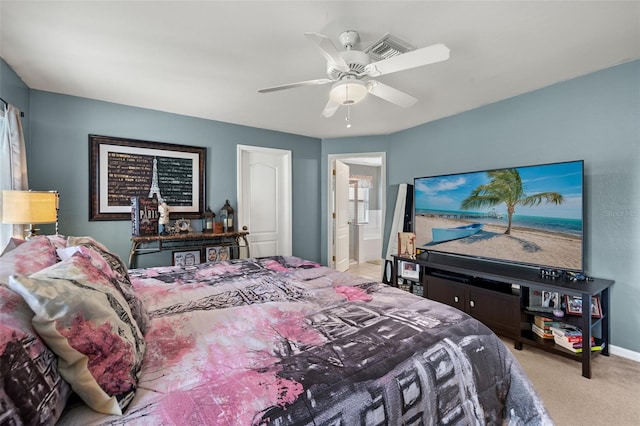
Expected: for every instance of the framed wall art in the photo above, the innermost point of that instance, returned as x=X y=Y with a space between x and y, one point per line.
x=124 y=168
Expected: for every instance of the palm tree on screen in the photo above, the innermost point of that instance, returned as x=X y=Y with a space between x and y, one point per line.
x=506 y=187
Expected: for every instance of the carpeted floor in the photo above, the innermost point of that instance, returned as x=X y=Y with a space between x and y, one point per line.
x=610 y=397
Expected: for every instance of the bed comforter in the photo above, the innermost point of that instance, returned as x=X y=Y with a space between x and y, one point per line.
x=285 y=341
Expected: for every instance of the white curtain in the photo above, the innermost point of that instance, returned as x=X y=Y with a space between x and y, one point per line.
x=13 y=164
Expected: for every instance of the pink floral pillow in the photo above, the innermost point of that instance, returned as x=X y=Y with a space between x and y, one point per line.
x=87 y=322
x=31 y=389
x=27 y=257
x=121 y=276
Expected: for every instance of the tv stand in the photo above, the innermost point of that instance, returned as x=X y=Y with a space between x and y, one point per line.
x=497 y=294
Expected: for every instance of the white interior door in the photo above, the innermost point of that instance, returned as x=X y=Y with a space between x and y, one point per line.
x=264 y=199
x=341 y=215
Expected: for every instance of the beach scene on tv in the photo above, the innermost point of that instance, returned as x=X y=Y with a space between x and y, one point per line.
x=530 y=215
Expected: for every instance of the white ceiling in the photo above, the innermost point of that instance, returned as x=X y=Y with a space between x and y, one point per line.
x=208 y=58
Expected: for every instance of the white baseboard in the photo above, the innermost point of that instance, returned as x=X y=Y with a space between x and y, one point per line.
x=625 y=353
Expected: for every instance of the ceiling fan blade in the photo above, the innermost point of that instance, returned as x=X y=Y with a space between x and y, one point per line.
x=330 y=109
x=415 y=58
x=390 y=94
x=294 y=85
x=328 y=50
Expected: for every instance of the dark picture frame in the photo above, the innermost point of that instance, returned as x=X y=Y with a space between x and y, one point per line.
x=122 y=168
x=573 y=305
x=186 y=258
x=551 y=300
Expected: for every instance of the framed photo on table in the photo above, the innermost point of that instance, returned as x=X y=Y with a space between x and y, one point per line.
x=120 y=169
x=543 y=301
x=551 y=300
x=211 y=254
x=186 y=258
x=573 y=306
x=410 y=270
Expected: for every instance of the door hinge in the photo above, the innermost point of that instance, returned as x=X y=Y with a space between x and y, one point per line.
x=334 y=172
x=334 y=215
x=333 y=258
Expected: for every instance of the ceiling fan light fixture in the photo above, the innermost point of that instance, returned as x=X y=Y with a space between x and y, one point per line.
x=348 y=92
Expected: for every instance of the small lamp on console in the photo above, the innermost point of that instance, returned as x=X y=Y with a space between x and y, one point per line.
x=30 y=208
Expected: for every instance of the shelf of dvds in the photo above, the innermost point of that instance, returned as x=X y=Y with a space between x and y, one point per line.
x=498 y=295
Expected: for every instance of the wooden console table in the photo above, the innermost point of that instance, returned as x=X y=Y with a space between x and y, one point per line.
x=188 y=241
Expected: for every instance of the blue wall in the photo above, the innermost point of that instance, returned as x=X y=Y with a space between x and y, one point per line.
x=595 y=118
x=14 y=91
x=60 y=126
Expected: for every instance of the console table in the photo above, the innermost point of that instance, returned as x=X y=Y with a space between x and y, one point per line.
x=497 y=295
x=156 y=243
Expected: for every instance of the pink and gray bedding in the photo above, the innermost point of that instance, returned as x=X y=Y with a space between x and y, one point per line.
x=83 y=317
x=32 y=390
x=285 y=341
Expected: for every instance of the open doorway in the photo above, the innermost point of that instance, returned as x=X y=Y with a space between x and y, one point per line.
x=365 y=203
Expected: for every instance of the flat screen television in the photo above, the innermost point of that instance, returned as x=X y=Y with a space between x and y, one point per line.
x=530 y=215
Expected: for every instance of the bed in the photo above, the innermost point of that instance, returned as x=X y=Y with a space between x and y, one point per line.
x=276 y=340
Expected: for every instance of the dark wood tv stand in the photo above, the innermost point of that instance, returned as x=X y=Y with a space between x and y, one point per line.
x=497 y=294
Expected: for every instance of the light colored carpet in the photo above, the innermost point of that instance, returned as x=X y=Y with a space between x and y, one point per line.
x=610 y=397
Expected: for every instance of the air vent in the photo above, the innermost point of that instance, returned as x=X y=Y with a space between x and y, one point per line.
x=387 y=47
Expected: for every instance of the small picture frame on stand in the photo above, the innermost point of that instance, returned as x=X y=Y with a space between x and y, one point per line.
x=410 y=270
x=543 y=301
x=186 y=258
x=211 y=254
x=574 y=306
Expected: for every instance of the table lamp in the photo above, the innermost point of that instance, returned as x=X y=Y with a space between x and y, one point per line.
x=30 y=208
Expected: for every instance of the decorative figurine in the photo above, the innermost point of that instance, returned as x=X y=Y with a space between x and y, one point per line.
x=163 y=221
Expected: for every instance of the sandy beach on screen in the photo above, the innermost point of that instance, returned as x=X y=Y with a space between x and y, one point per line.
x=523 y=245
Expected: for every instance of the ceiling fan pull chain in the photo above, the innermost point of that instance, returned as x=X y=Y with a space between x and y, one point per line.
x=348 y=118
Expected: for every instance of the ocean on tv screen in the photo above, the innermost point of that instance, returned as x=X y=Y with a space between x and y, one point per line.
x=530 y=215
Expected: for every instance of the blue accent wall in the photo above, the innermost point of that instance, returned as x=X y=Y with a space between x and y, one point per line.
x=14 y=91
x=595 y=118
x=60 y=126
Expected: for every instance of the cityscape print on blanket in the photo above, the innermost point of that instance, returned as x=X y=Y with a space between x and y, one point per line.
x=282 y=340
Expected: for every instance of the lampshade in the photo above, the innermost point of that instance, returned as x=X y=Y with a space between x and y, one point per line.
x=29 y=208
x=348 y=92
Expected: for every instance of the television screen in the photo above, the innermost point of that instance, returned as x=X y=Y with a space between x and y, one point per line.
x=526 y=215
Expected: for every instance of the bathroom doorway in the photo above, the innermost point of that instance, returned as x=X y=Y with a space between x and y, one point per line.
x=367 y=201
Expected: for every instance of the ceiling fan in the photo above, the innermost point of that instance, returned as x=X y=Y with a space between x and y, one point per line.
x=347 y=69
